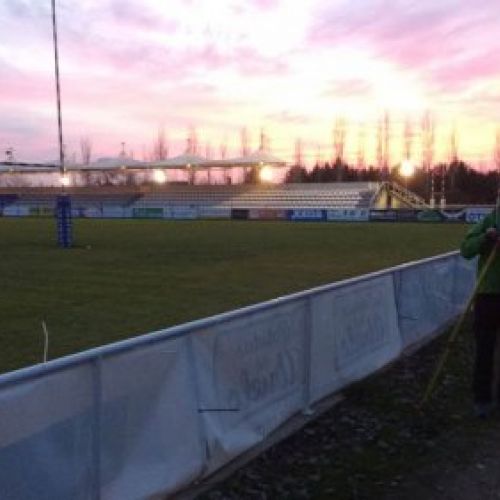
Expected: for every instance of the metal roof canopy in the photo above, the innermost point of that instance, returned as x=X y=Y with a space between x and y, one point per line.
x=256 y=159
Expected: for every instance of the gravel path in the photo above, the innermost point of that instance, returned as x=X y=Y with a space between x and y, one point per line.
x=376 y=445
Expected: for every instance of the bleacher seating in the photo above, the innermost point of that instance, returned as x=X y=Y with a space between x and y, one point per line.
x=286 y=196
x=206 y=199
x=7 y=199
x=77 y=200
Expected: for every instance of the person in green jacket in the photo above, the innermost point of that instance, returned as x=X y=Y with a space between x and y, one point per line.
x=480 y=241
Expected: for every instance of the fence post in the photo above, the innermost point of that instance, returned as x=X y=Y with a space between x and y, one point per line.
x=96 y=427
x=307 y=349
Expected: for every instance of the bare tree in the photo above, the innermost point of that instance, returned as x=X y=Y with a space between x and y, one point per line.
x=86 y=149
x=223 y=149
x=9 y=155
x=245 y=150
x=319 y=156
x=267 y=143
x=453 y=159
x=299 y=158
x=208 y=151
x=408 y=139
x=339 y=135
x=192 y=141
x=380 y=145
x=160 y=146
x=360 y=156
x=497 y=152
x=428 y=140
x=264 y=141
x=453 y=146
x=387 y=143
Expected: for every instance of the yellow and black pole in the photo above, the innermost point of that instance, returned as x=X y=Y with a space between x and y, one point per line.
x=63 y=202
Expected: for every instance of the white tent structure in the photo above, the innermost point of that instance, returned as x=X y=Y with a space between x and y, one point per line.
x=193 y=164
x=185 y=167
x=109 y=163
x=258 y=158
x=181 y=161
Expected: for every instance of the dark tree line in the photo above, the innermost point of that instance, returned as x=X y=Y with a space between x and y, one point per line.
x=462 y=184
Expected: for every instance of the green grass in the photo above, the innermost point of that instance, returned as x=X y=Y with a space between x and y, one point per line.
x=128 y=277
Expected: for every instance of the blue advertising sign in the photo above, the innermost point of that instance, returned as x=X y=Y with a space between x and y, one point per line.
x=306 y=214
x=476 y=214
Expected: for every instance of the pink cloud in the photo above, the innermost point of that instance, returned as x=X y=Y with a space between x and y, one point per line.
x=417 y=37
x=288 y=117
x=139 y=16
x=265 y=4
x=458 y=75
x=348 y=88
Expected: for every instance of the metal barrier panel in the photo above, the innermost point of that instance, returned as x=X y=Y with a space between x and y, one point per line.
x=251 y=377
x=354 y=332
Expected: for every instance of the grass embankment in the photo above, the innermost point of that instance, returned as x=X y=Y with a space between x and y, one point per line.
x=128 y=277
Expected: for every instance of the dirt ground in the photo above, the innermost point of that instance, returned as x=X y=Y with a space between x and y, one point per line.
x=468 y=469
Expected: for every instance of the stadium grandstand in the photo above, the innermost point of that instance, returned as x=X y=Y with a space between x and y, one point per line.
x=208 y=201
x=108 y=187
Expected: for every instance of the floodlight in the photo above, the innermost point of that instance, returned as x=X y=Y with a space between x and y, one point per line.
x=407 y=168
x=65 y=180
x=266 y=174
x=159 y=176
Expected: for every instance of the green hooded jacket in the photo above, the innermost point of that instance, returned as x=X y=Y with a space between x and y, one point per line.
x=475 y=243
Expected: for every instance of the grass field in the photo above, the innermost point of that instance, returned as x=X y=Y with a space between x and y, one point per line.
x=128 y=277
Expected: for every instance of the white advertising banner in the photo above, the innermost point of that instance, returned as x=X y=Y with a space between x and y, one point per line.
x=16 y=211
x=92 y=212
x=113 y=212
x=214 y=212
x=147 y=418
x=465 y=280
x=427 y=299
x=348 y=214
x=47 y=441
x=180 y=212
x=251 y=377
x=354 y=332
x=150 y=441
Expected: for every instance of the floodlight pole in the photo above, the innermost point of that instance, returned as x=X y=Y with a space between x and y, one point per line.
x=63 y=204
x=62 y=167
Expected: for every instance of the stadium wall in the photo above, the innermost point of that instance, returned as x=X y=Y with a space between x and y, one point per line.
x=468 y=214
x=152 y=414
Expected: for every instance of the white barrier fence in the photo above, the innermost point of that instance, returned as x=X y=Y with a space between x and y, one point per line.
x=150 y=415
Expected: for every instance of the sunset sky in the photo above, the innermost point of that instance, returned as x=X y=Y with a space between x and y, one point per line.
x=292 y=67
